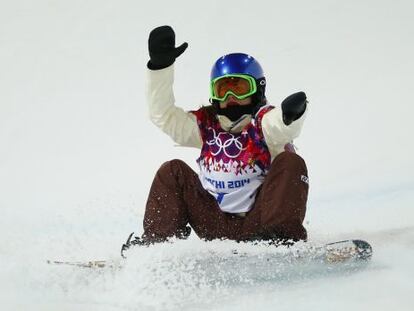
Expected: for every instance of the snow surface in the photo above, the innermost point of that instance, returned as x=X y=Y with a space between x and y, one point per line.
x=78 y=153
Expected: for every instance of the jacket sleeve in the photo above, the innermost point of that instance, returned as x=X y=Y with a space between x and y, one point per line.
x=180 y=125
x=276 y=133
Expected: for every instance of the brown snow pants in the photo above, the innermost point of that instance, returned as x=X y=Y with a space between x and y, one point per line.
x=177 y=198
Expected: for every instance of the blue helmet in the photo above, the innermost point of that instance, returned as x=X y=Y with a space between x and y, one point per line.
x=237 y=63
x=240 y=63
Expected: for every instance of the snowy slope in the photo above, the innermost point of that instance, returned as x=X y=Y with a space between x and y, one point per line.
x=78 y=153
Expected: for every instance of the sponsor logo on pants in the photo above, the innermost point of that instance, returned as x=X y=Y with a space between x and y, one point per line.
x=305 y=179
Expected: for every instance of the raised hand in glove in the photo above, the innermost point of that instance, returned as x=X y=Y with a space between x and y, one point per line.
x=293 y=107
x=162 y=50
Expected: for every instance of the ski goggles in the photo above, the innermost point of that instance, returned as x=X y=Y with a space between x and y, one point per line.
x=240 y=86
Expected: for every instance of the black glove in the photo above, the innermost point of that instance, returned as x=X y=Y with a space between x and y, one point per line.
x=293 y=107
x=162 y=50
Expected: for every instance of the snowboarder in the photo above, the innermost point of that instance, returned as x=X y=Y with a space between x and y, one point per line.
x=251 y=184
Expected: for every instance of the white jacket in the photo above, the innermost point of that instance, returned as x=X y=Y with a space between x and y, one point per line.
x=182 y=126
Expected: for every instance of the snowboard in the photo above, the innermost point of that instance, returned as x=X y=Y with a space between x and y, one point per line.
x=331 y=253
x=347 y=250
x=84 y=264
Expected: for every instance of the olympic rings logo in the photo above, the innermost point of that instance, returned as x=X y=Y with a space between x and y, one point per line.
x=227 y=143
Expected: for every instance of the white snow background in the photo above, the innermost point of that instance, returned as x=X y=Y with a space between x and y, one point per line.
x=78 y=152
